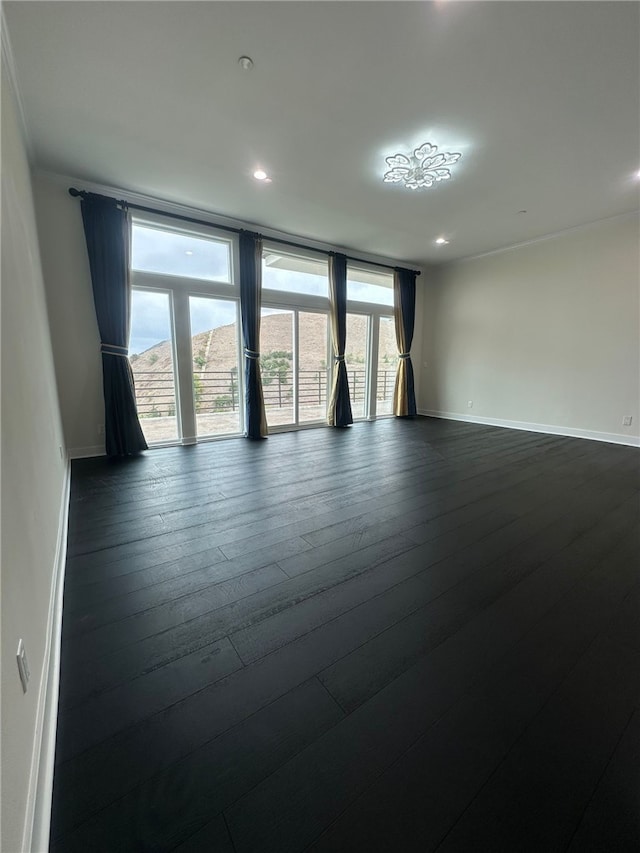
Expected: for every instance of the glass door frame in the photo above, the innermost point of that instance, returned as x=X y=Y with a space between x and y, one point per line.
x=185 y=296
x=180 y=288
x=381 y=316
x=308 y=305
x=373 y=313
x=178 y=415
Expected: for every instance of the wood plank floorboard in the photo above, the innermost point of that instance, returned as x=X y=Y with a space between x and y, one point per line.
x=411 y=635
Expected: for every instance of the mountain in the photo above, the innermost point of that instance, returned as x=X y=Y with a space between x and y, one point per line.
x=215 y=353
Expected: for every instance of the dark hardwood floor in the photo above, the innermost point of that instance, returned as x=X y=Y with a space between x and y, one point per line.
x=405 y=636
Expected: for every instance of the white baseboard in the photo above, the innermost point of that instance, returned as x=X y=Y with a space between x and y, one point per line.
x=35 y=837
x=550 y=429
x=86 y=452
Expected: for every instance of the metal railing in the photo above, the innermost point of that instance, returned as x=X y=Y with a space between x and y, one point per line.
x=155 y=393
x=217 y=390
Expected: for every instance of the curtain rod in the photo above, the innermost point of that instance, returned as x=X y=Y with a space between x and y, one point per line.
x=82 y=193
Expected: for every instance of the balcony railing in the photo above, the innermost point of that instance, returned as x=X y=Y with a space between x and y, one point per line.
x=155 y=393
x=217 y=390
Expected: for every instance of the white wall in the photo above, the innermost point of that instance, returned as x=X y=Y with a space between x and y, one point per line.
x=34 y=477
x=545 y=334
x=72 y=317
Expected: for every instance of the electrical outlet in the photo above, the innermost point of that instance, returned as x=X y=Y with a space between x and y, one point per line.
x=626 y=421
x=469 y=404
x=100 y=429
x=23 y=666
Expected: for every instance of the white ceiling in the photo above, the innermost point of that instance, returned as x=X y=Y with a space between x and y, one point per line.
x=541 y=98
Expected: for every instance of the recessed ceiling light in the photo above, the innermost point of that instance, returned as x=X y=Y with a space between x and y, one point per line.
x=260 y=175
x=245 y=62
x=188 y=252
x=442 y=241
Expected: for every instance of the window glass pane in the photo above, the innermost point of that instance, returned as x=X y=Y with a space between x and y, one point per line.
x=151 y=355
x=174 y=253
x=356 y=358
x=312 y=366
x=276 y=365
x=387 y=366
x=294 y=274
x=366 y=286
x=214 y=348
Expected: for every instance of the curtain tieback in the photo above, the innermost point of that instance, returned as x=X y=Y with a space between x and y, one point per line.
x=404 y=355
x=249 y=353
x=338 y=358
x=114 y=349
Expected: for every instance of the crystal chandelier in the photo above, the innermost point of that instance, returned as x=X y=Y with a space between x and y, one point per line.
x=422 y=168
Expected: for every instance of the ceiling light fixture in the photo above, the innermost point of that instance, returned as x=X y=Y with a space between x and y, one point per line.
x=188 y=252
x=245 y=62
x=422 y=168
x=260 y=175
x=442 y=241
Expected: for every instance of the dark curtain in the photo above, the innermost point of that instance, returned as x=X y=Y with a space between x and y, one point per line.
x=339 y=411
x=250 y=299
x=106 y=228
x=404 y=311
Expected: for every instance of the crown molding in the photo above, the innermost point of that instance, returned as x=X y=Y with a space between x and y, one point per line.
x=563 y=232
x=9 y=68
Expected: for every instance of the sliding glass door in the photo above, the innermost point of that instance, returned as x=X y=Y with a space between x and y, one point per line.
x=313 y=366
x=294 y=364
x=387 y=365
x=358 y=361
x=185 y=341
x=214 y=358
x=371 y=352
x=185 y=344
x=152 y=356
x=276 y=365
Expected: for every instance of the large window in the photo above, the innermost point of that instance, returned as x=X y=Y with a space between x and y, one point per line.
x=289 y=273
x=358 y=361
x=387 y=366
x=294 y=337
x=371 y=354
x=185 y=342
x=370 y=286
x=170 y=252
x=214 y=356
x=151 y=352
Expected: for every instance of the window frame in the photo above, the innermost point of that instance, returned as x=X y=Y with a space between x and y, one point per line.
x=173 y=226
x=370 y=306
x=295 y=310
x=180 y=288
x=168 y=442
